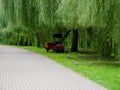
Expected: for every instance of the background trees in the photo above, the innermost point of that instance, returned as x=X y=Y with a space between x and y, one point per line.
x=85 y=24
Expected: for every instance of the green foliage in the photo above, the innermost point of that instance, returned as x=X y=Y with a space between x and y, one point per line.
x=97 y=21
x=16 y=35
x=67 y=11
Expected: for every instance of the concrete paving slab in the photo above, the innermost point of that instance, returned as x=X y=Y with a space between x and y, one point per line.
x=24 y=70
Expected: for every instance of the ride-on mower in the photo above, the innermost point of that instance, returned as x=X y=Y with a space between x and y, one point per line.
x=57 y=45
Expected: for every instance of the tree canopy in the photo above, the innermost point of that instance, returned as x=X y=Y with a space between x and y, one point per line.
x=91 y=24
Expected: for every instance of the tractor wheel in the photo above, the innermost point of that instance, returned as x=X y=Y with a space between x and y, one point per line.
x=47 y=49
x=55 y=50
x=62 y=51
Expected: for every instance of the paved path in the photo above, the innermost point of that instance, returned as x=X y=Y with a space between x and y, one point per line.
x=25 y=70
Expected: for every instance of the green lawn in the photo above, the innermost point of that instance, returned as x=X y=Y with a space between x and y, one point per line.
x=104 y=72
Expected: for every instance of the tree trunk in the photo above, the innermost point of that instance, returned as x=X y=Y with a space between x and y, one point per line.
x=37 y=40
x=107 y=44
x=89 y=37
x=116 y=49
x=74 y=47
x=65 y=35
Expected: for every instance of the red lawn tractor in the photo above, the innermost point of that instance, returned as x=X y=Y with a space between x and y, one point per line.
x=56 y=46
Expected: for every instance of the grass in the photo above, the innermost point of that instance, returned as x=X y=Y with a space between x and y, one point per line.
x=103 y=71
x=1 y=43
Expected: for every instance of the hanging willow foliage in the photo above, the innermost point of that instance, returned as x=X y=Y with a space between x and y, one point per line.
x=14 y=15
x=98 y=21
x=67 y=11
x=36 y=16
x=100 y=14
x=105 y=18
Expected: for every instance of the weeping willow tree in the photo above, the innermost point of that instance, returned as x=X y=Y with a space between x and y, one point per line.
x=7 y=10
x=96 y=21
x=30 y=18
x=101 y=15
x=104 y=15
x=67 y=11
x=47 y=14
x=75 y=16
x=23 y=15
x=48 y=18
x=37 y=16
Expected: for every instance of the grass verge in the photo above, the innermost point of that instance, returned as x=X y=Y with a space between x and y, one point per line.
x=104 y=72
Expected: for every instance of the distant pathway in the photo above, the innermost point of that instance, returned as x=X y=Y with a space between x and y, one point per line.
x=24 y=70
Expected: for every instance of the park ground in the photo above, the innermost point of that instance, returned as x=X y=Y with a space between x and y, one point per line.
x=104 y=71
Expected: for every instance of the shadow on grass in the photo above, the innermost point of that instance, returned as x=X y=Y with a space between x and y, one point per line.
x=93 y=60
x=115 y=64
